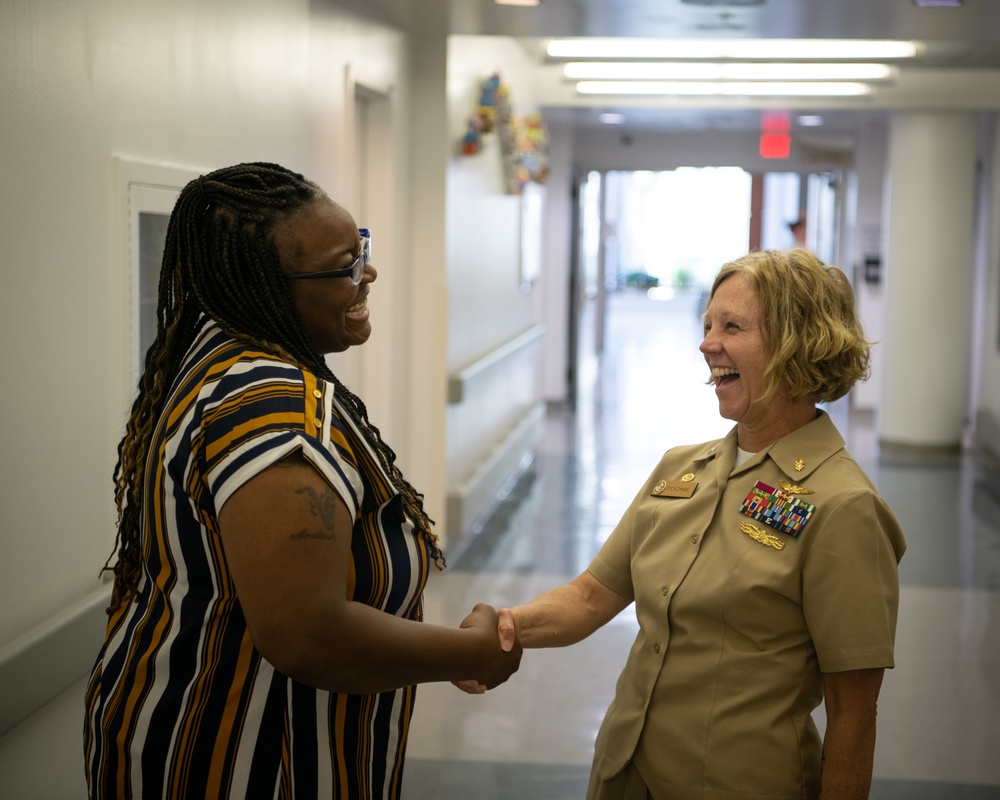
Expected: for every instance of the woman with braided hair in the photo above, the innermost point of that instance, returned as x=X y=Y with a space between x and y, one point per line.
x=265 y=633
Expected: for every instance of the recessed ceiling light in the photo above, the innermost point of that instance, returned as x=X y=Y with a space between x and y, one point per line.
x=611 y=118
x=748 y=49
x=518 y=2
x=725 y=71
x=809 y=120
x=730 y=89
x=937 y=3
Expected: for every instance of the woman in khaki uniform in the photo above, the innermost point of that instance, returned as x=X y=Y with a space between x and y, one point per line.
x=762 y=566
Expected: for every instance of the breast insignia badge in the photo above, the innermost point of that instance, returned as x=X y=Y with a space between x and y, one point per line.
x=761 y=536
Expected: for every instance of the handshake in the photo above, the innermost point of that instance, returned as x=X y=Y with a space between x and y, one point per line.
x=499 y=648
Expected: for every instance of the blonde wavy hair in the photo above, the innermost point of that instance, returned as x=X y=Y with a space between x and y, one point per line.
x=816 y=347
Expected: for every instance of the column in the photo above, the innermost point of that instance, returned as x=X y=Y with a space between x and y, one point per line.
x=929 y=268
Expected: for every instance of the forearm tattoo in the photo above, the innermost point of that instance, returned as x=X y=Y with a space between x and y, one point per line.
x=322 y=506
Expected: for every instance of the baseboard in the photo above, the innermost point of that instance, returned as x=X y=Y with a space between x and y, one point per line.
x=37 y=666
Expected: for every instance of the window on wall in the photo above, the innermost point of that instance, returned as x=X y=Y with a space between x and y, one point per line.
x=148 y=193
x=149 y=210
x=152 y=237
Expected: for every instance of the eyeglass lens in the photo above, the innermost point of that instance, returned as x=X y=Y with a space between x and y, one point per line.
x=364 y=257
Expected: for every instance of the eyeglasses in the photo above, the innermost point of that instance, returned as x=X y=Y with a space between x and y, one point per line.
x=355 y=271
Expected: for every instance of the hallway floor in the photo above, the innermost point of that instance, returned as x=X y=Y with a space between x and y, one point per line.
x=532 y=738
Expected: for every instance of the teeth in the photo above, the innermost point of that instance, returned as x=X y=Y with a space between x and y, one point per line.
x=721 y=372
x=358 y=306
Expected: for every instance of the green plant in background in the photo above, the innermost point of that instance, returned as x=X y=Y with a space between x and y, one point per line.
x=683 y=279
x=641 y=280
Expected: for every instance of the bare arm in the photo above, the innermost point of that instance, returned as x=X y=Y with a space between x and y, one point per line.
x=287 y=536
x=562 y=616
x=849 y=744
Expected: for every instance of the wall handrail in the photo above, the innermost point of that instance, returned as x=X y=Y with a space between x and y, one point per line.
x=457 y=381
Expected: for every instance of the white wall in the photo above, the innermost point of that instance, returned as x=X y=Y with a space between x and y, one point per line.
x=557 y=252
x=483 y=221
x=486 y=305
x=187 y=83
x=869 y=173
x=430 y=148
x=987 y=398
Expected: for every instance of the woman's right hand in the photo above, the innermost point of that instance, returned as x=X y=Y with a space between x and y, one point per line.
x=287 y=535
x=502 y=655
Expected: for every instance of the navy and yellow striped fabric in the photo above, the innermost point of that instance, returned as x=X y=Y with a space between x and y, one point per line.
x=180 y=703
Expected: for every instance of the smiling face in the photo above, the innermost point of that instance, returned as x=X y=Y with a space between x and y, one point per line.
x=324 y=236
x=738 y=324
x=734 y=347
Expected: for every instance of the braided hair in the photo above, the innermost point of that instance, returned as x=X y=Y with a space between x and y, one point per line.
x=220 y=260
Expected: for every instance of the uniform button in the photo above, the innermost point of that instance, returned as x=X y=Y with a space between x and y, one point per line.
x=665 y=591
x=318 y=423
x=656 y=649
x=694 y=540
x=317 y=393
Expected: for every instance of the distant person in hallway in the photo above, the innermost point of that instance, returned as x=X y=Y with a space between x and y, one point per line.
x=265 y=632
x=763 y=568
x=798 y=230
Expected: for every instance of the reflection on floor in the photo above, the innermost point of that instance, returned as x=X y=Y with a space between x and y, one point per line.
x=532 y=738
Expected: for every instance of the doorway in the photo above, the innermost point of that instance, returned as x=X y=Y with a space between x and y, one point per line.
x=649 y=243
x=376 y=372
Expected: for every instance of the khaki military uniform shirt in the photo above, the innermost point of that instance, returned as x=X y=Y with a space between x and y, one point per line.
x=738 y=620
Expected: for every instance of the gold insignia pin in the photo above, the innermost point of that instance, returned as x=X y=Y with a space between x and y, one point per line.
x=660 y=486
x=761 y=536
x=688 y=477
x=794 y=488
x=799 y=465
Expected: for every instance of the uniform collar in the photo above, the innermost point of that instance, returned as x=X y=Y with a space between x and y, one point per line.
x=718 y=448
x=798 y=454
x=803 y=450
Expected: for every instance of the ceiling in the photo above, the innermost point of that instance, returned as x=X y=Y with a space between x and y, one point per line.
x=802 y=19
x=958 y=68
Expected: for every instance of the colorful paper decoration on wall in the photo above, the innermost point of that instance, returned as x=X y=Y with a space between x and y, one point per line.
x=524 y=142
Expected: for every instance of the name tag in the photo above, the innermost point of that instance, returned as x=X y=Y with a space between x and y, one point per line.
x=674 y=488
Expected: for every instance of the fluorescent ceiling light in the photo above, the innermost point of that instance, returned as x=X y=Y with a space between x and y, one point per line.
x=517 y=2
x=706 y=71
x=790 y=89
x=611 y=118
x=809 y=120
x=759 y=49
